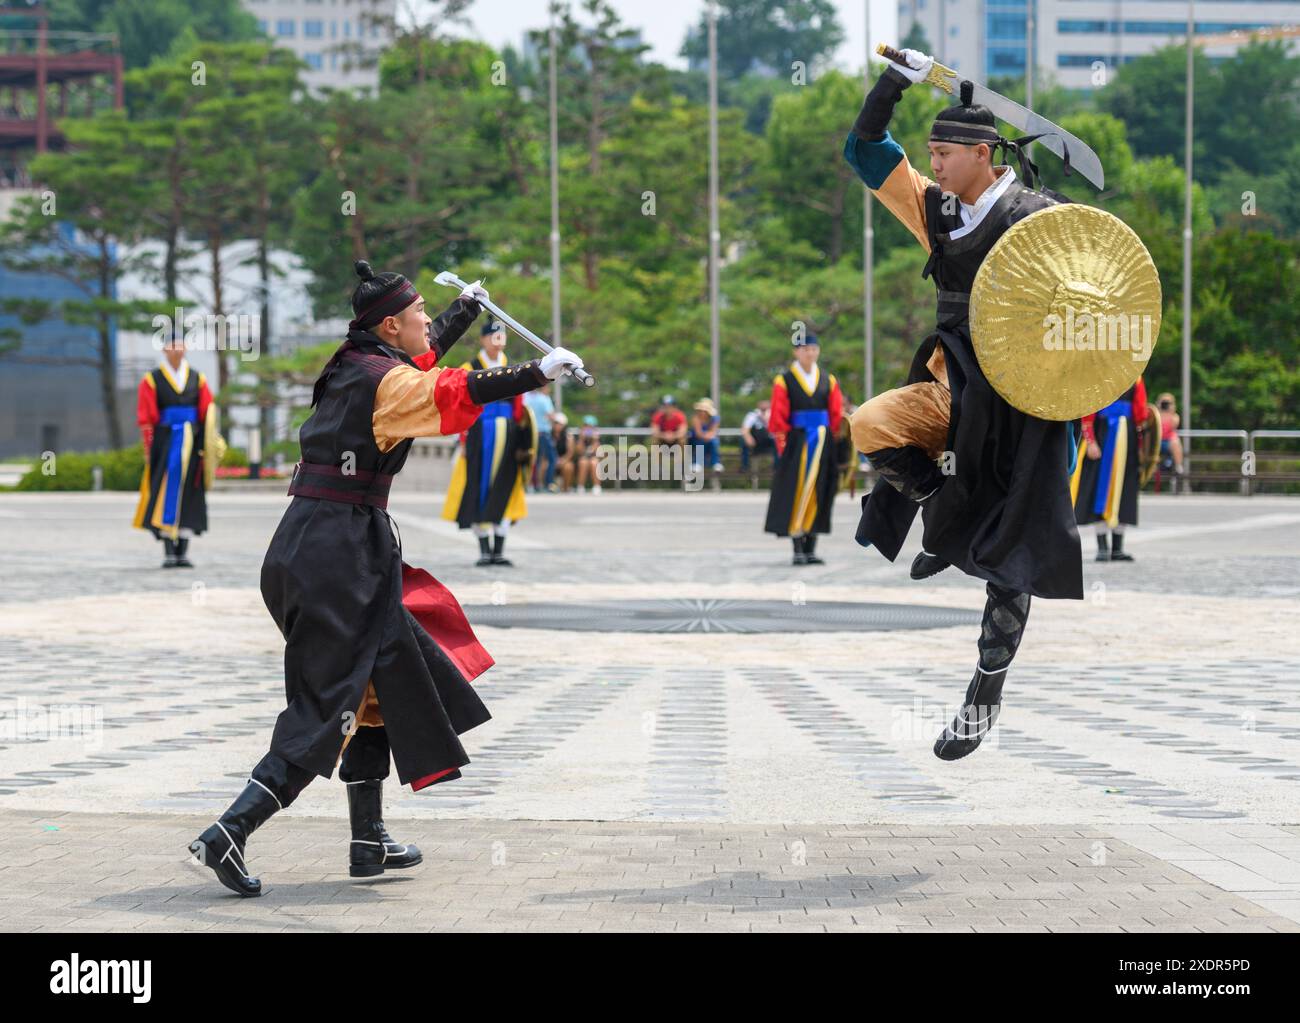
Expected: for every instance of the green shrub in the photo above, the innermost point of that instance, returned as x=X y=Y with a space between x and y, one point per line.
x=236 y=457
x=73 y=470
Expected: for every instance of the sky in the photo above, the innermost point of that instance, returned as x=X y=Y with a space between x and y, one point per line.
x=663 y=24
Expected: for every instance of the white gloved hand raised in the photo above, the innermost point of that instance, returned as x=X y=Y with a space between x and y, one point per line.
x=476 y=291
x=557 y=360
x=920 y=65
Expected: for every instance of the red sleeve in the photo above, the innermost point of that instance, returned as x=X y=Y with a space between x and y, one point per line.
x=835 y=406
x=1086 y=423
x=451 y=395
x=205 y=398
x=779 y=421
x=521 y=416
x=146 y=411
x=425 y=361
x=654 y=421
x=1140 y=403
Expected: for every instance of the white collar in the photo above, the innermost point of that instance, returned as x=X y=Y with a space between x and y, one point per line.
x=975 y=212
x=500 y=360
x=178 y=376
x=809 y=382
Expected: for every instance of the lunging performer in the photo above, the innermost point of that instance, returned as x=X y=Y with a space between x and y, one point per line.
x=379 y=656
x=999 y=509
x=806 y=409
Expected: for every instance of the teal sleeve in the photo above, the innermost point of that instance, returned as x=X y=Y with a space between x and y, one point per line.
x=873 y=161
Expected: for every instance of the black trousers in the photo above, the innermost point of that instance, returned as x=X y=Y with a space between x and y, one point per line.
x=366 y=758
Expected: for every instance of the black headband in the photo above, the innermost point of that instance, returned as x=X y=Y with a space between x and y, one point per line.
x=964 y=134
x=389 y=303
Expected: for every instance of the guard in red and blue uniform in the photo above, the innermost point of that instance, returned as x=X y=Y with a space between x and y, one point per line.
x=807 y=406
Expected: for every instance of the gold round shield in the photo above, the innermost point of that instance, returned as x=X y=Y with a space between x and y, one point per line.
x=1065 y=311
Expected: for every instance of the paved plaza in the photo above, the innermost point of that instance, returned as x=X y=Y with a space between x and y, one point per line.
x=675 y=765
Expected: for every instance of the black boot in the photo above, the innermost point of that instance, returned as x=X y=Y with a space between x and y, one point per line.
x=926 y=564
x=800 y=557
x=810 y=545
x=1005 y=614
x=182 y=545
x=909 y=470
x=1103 y=547
x=221 y=847
x=169 y=550
x=484 y=551
x=498 y=544
x=1117 y=552
x=372 y=850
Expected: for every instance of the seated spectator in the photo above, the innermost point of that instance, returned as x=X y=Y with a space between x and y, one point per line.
x=564 y=465
x=754 y=435
x=667 y=428
x=704 y=436
x=584 y=454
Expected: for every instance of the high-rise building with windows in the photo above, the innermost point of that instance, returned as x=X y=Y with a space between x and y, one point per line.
x=338 y=40
x=1078 y=43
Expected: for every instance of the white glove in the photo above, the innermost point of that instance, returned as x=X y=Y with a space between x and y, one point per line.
x=476 y=291
x=557 y=360
x=920 y=65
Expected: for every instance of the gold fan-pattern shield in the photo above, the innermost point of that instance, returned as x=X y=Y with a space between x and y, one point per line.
x=1065 y=311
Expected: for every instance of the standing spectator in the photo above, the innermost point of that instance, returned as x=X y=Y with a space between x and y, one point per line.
x=704 y=436
x=755 y=436
x=584 y=454
x=1171 y=445
x=543 y=409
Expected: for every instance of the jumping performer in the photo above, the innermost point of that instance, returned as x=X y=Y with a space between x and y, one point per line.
x=999 y=508
x=806 y=409
x=379 y=656
x=492 y=467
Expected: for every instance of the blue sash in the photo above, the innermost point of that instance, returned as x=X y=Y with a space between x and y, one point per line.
x=1111 y=413
x=810 y=420
x=175 y=417
x=490 y=420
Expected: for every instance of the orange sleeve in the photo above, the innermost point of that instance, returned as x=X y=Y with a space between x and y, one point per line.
x=903 y=194
x=414 y=403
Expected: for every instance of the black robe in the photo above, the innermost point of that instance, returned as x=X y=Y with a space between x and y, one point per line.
x=333 y=579
x=1005 y=514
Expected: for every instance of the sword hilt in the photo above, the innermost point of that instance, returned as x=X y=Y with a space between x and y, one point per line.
x=939 y=75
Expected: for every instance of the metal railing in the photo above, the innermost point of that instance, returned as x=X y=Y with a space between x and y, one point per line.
x=1239 y=464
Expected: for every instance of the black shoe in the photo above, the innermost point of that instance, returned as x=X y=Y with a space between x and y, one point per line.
x=182 y=546
x=978 y=714
x=221 y=847
x=1103 y=547
x=485 y=551
x=1117 y=552
x=372 y=850
x=810 y=545
x=498 y=543
x=169 y=549
x=800 y=558
x=909 y=470
x=925 y=565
